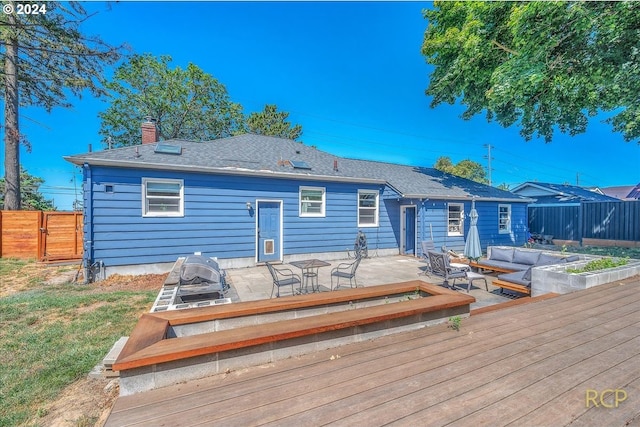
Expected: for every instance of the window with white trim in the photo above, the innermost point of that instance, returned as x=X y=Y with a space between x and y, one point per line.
x=504 y=218
x=368 y=208
x=456 y=219
x=312 y=201
x=162 y=197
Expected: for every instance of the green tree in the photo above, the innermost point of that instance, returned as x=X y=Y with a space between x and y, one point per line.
x=30 y=195
x=186 y=103
x=46 y=60
x=272 y=123
x=466 y=169
x=539 y=65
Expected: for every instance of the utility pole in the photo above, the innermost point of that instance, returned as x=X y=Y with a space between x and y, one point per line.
x=489 y=158
x=577 y=179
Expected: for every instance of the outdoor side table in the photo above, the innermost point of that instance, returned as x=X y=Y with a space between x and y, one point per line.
x=309 y=268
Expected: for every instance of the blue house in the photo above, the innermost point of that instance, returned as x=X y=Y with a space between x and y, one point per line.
x=249 y=199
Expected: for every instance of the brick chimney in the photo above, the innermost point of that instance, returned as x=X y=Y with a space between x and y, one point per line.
x=149 y=131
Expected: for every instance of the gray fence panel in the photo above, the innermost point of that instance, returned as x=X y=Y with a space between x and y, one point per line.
x=590 y=220
x=611 y=220
x=562 y=222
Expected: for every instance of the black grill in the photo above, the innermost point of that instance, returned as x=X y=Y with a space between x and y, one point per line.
x=201 y=276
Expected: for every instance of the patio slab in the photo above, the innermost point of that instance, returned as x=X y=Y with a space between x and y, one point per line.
x=255 y=283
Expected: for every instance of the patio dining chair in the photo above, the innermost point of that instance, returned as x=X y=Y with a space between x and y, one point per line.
x=427 y=245
x=345 y=270
x=282 y=277
x=440 y=267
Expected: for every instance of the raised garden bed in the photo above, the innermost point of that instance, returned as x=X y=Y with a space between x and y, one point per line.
x=173 y=346
x=556 y=278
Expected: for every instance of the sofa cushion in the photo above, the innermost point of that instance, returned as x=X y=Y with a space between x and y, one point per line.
x=572 y=258
x=526 y=257
x=503 y=264
x=517 y=277
x=502 y=254
x=548 y=259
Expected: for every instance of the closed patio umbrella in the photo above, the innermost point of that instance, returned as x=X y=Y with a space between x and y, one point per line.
x=472 y=248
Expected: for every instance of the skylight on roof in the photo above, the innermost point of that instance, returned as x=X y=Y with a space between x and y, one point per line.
x=164 y=148
x=299 y=164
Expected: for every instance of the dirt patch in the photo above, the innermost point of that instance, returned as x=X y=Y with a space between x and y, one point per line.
x=145 y=282
x=87 y=402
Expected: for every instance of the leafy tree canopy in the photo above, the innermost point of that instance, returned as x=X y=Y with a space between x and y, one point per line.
x=538 y=65
x=186 y=103
x=465 y=169
x=55 y=59
x=31 y=197
x=46 y=60
x=272 y=123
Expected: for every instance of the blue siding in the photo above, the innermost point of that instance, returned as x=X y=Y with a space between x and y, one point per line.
x=216 y=220
x=434 y=214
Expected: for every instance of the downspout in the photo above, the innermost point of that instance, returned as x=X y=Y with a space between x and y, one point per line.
x=88 y=222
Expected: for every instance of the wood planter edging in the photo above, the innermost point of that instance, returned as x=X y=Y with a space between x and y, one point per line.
x=148 y=344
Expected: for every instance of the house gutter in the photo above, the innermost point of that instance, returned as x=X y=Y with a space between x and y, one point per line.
x=468 y=197
x=275 y=174
x=224 y=171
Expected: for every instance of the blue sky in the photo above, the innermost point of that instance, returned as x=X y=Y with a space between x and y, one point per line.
x=350 y=73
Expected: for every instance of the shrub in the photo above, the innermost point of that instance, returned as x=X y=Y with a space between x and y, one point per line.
x=599 y=264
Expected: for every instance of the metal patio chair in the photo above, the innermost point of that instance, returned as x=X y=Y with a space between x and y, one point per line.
x=345 y=270
x=282 y=277
x=440 y=267
x=427 y=245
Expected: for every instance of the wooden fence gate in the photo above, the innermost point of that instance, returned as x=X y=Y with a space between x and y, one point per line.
x=45 y=236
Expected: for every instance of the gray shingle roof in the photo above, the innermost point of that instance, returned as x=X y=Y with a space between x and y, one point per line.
x=565 y=193
x=269 y=156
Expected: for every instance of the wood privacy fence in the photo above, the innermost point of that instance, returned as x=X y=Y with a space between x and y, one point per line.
x=590 y=223
x=45 y=236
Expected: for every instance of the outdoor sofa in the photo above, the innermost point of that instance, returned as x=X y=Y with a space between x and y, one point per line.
x=516 y=265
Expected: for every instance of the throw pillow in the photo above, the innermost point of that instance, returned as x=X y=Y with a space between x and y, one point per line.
x=526 y=257
x=502 y=254
x=548 y=259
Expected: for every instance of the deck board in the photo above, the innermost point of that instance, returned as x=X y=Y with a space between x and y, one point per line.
x=529 y=364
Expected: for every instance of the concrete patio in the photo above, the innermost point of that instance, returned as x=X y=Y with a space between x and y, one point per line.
x=255 y=283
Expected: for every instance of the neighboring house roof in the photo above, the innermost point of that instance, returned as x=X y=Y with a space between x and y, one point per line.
x=544 y=193
x=634 y=194
x=623 y=192
x=257 y=155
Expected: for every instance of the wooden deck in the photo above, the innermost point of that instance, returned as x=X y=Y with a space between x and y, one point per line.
x=530 y=364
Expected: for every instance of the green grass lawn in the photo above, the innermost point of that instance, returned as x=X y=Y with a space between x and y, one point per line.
x=50 y=336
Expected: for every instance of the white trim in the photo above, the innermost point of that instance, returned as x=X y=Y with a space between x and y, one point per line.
x=323 y=202
x=377 y=208
x=508 y=229
x=460 y=232
x=145 y=198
